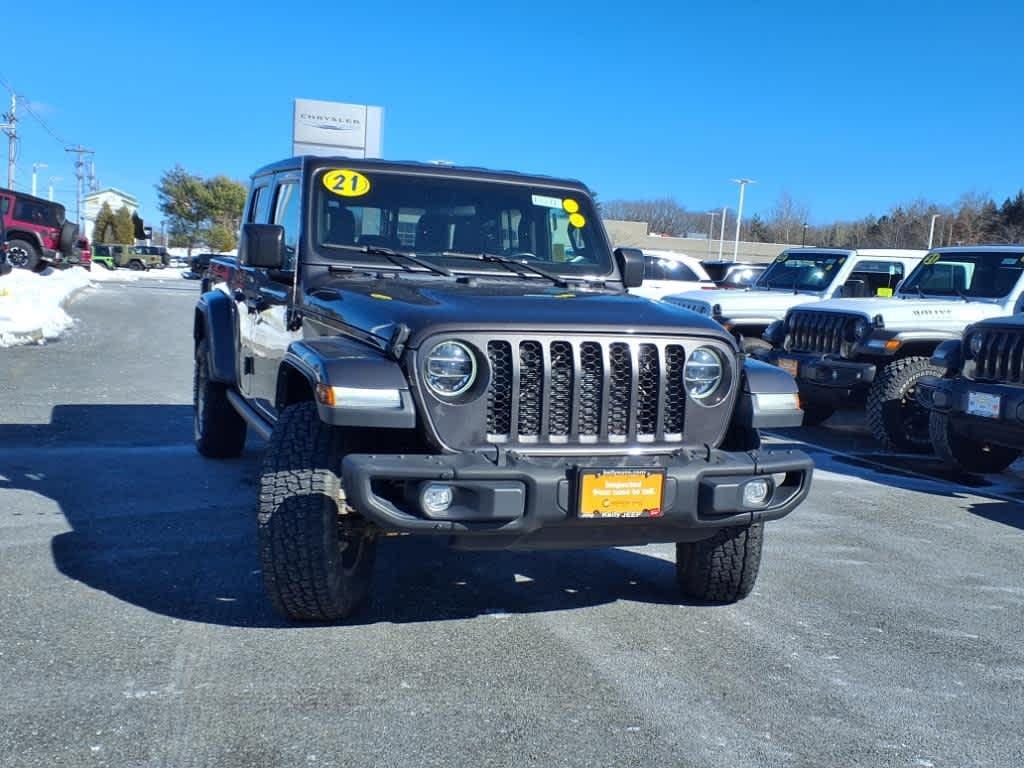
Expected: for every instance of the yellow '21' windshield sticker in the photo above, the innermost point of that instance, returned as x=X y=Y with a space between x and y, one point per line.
x=346 y=182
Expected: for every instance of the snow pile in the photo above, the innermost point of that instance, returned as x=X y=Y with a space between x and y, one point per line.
x=32 y=305
x=101 y=274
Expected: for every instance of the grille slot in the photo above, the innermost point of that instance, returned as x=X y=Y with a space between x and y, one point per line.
x=819 y=332
x=585 y=391
x=1001 y=357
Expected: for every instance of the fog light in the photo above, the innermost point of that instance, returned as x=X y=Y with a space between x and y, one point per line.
x=755 y=493
x=436 y=498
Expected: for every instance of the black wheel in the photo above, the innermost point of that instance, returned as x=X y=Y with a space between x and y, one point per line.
x=317 y=558
x=23 y=255
x=816 y=413
x=897 y=420
x=964 y=454
x=136 y=265
x=218 y=429
x=722 y=569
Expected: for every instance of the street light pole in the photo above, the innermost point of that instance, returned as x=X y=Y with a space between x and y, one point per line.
x=36 y=167
x=803 y=237
x=739 y=214
x=931 y=231
x=53 y=179
x=711 y=231
x=721 y=234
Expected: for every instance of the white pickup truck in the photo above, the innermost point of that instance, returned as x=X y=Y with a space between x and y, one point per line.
x=800 y=276
x=846 y=350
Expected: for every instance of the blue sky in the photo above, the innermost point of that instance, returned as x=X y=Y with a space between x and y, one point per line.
x=850 y=107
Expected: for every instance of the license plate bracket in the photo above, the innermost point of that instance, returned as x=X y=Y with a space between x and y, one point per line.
x=983 y=404
x=620 y=493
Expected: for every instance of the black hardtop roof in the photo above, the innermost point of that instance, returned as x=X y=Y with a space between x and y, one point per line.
x=999 y=248
x=33 y=198
x=309 y=163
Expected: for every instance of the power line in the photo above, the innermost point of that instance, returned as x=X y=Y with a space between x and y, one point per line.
x=27 y=106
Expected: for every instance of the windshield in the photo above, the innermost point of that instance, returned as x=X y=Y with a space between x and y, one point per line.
x=429 y=215
x=979 y=274
x=802 y=272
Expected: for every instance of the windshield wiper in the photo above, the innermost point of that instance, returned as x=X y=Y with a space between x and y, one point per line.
x=396 y=257
x=961 y=294
x=511 y=264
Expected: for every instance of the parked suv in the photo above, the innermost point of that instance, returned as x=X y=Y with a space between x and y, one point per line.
x=850 y=350
x=451 y=352
x=733 y=274
x=800 y=276
x=155 y=250
x=37 y=231
x=668 y=272
x=976 y=422
x=114 y=256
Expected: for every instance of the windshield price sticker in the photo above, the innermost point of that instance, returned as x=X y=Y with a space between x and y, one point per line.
x=543 y=201
x=577 y=220
x=931 y=258
x=570 y=205
x=346 y=182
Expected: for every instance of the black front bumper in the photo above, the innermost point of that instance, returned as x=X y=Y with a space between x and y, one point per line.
x=952 y=397
x=825 y=378
x=531 y=502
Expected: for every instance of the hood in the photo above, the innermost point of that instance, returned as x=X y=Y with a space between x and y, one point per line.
x=428 y=306
x=914 y=314
x=742 y=305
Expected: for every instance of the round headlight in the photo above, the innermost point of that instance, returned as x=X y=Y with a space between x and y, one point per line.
x=451 y=368
x=975 y=344
x=703 y=373
x=861 y=329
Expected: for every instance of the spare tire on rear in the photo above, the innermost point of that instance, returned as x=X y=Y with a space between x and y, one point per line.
x=68 y=238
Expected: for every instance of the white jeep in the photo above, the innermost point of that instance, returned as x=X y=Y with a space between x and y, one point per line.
x=800 y=276
x=846 y=350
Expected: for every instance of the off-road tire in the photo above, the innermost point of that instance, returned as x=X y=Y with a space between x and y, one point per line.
x=218 y=430
x=892 y=402
x=963 y=454
x=23 y=255
x=722 y=569
x=317 y=562
x=136 y=265
x=816 y=413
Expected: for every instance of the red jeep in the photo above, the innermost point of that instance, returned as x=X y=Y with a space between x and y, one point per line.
x=37 y=232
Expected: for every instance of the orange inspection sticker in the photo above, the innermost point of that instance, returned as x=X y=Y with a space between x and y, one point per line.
x=621 y=493
x=346 y=182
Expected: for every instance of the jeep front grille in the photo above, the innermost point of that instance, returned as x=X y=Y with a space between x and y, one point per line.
x=585 y=391
x=820 y=332
x=1001 y=357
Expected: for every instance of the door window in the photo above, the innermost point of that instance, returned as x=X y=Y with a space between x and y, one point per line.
x=873 y=278
x=286 y=214
x=668 y=269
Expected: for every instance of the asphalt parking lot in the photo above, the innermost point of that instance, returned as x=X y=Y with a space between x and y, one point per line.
x=885 y=629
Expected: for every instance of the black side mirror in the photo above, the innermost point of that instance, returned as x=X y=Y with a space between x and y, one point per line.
x=631 y=266
x=262 y=246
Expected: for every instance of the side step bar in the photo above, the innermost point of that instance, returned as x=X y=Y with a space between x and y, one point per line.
x=247 y=412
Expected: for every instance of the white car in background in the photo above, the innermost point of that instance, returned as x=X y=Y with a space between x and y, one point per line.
x=668 y=272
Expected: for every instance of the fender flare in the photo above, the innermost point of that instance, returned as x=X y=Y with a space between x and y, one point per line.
x=215 y=322
x=769 y=397
x=26 y=234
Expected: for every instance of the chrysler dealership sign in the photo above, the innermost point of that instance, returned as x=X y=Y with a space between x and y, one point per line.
x=331 y=128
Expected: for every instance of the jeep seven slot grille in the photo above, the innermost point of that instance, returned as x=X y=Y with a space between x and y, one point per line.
x=820 y=332
x=575 y=391
x=1001 y=357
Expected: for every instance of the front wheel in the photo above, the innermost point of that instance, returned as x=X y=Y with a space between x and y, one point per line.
x=722 y=569
x=317 y=559
x=23 y=255
x=897 y=420
x=218 y=429
x=964 y=454
x=135 y=265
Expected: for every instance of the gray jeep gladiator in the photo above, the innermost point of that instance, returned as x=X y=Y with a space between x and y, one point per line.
x=451 y=352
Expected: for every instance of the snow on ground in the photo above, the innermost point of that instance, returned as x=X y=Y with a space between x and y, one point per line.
x=32 y=305
x=101 y=274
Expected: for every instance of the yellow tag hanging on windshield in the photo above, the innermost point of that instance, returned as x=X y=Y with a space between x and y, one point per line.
x=346 y=182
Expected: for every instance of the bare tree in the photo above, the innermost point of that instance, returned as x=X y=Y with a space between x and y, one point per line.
x=786 y=219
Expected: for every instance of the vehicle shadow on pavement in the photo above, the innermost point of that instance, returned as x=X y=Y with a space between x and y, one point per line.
x=159 y=527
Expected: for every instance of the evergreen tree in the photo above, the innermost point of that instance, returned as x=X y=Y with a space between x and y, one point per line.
x=124 y=228
x=103 y=228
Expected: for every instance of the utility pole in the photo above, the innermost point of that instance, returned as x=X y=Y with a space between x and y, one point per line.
x=53 y=179
x=721 y=234
x=931 y=232
x=711 y=231
x=739 y=214
x=35 y=169
x=80 y=176
x=10 y=127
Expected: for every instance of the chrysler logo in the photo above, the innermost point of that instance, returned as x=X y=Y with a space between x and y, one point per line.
x=330 y=122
